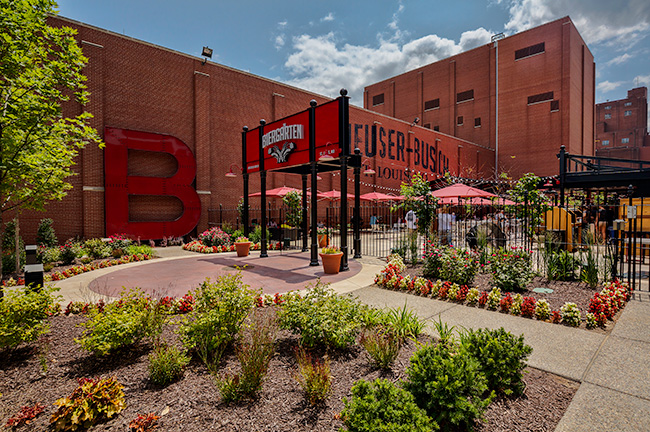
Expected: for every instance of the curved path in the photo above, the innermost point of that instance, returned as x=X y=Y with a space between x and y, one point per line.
x=275 y=273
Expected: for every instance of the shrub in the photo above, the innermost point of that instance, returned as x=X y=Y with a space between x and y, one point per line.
x=501 y=357
x=256 y=235
x=562 y=266
x=506 y=303
x=70 y=251
x=590 y=320
x=122 y=323
x=143 y=423
x=494 y=298
x=452 y=293
x=97 y=249
x=450 y=264
x=45 y=234
x=23 y=315
x=47 y=255
x=403 y=323
x=570 y=314
x=139 y=249
x=25 y=416
x=483 y=298
x=556 y=317
x=219 y=311
x=542 y=310
x=254 y=355
x=313 y=376
x=447 y=383
x=528 y=307
x=119 y=242
x=214 y=237
x=472 y=296
x=382 y=346
x=322 y=317
x=517 y=301
x=166 y=364
x=511 y=269
x=92 y=401
x=380 y=406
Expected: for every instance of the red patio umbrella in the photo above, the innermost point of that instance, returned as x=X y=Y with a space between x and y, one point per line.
x=378 y=196
x=333 y=195
x=277 y=192
x=461 y=190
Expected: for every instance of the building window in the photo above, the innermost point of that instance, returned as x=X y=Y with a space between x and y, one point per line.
x=378 y=100
x=436 y=128
x=628 y=103
x=477 y=122
x=432 y=104
x=459 y=122
x=608 y=107
x=539 y=98
x=608 y=116
x=465 y=96
x=529 y=51
x=605 y=142
x=625 y=141
x=427 y=125
x=628 y=113
x=555 y=105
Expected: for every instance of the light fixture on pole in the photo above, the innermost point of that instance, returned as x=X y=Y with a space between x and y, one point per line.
x=369 y=170
x=327 y=156
x=206 y=53
x=231 y=173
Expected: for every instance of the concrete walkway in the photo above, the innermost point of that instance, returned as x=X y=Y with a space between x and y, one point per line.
x=613 y=369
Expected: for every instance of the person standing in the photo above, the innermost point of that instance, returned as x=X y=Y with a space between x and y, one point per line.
x=411 y=221
x=444 y=227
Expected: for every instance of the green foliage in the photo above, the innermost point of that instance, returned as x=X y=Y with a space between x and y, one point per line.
x=494 y=297
x=589 y=267
x=40 y=70
x=445 y=331
x=511 y=269
x=219 y=312
x=293 y=201
x=135 y=249
x=322 y=318
x=70 y=251
x=561 y=266
x=446 y=381
x=256 y=235
x=542 y=310
x=166 y=364
x=381 y=406
x=254 y=354
x=23 y=315
x=526 y=191
x=48 y=255
x=451 y=264
x=96 y=248
x=403 y=323
x=91 y=402
x=417 y=198
x=122 y=323
x=382 y=346
x=314 y=376
x=501 y=357
x=571 y=314
x=45 y=235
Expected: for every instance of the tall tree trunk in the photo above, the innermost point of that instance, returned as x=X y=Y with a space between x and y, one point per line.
x=17 y=242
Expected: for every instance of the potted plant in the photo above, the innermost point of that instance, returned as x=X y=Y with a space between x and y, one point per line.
x=331 y=257
x=242 y=246
x=323 y=239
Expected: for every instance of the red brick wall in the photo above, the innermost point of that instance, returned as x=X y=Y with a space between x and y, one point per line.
x=610 y=132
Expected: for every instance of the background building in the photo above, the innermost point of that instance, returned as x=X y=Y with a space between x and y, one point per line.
x=622 y=127
x=544 y=96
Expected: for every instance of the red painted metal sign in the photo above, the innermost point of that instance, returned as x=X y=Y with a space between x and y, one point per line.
x=119 y=185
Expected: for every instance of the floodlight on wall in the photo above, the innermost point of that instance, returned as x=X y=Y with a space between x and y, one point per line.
x=231 y=173
x=206 y=53
x=415 y=121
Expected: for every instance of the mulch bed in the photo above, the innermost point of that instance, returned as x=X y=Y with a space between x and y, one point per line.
x=194 y=404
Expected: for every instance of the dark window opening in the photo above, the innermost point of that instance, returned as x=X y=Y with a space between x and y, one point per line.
x=460 y=121
x=464 y=96
x=427 y=125
x=432 y=104
x=538 y=98
x=555 y=105
x=477 y=122
x=378 y=100
x=436 y=128
x=529 y=51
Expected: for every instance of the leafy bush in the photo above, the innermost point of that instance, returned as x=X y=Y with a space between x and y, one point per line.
x=314 y=376
x=528 y=307
x=92 y=401
x=139 y=249
x=450 y=264
x=380 y=406
x=256 y=235
x=97 y=249
x=48 y=255
x=517 y=301
x=23 y=315
x=119 y=242
x=494 y=298
x=219 y=311
x=570 y=314
x=506 y=303
x=45 y=234
x=589 y=267
x=122 y=323
x=214 y=237
x=472 y=296
x=542 y=310
x=403 y=323
x=382 y=346
x=70 y=251
x=561 y=266
x=25 y=416
x=501 y=357
x=322 y=317
x=512 y=269
x=166 y=364
x=254 y=355
x=446 y=381
x=144 y=423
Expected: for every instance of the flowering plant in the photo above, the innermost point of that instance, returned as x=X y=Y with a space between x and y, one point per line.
x=242 y=239
x=322 y=231
x=214 y=237
x=330 y=250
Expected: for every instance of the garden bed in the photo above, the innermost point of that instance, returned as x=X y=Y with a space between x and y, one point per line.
x=194 y=404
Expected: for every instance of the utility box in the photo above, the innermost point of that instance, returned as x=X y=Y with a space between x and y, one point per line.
x=619 y=225
x=34 y=276
x=30 y=254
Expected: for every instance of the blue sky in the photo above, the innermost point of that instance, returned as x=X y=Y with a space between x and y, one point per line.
x=323 y=46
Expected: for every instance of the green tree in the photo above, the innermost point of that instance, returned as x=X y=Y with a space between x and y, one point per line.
x=536 y=203
x=293 y=201
x=417 y=198
x=40 y=69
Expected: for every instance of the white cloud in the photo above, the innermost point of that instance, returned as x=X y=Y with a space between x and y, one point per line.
x=642 y=80
x=279 y=41
x=283 y=24
x=620 y=59
x=606 y=86
x=328 y=17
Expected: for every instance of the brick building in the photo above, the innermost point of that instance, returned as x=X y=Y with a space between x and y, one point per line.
x=622 y=127
x=545 y=97
x=175 y=97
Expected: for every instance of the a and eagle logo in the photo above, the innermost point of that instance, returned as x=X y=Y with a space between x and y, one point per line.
x=281 y=155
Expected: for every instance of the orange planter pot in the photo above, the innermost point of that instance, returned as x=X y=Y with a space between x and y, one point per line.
x=243 y=248
x=331 y=262
x=322 y=240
